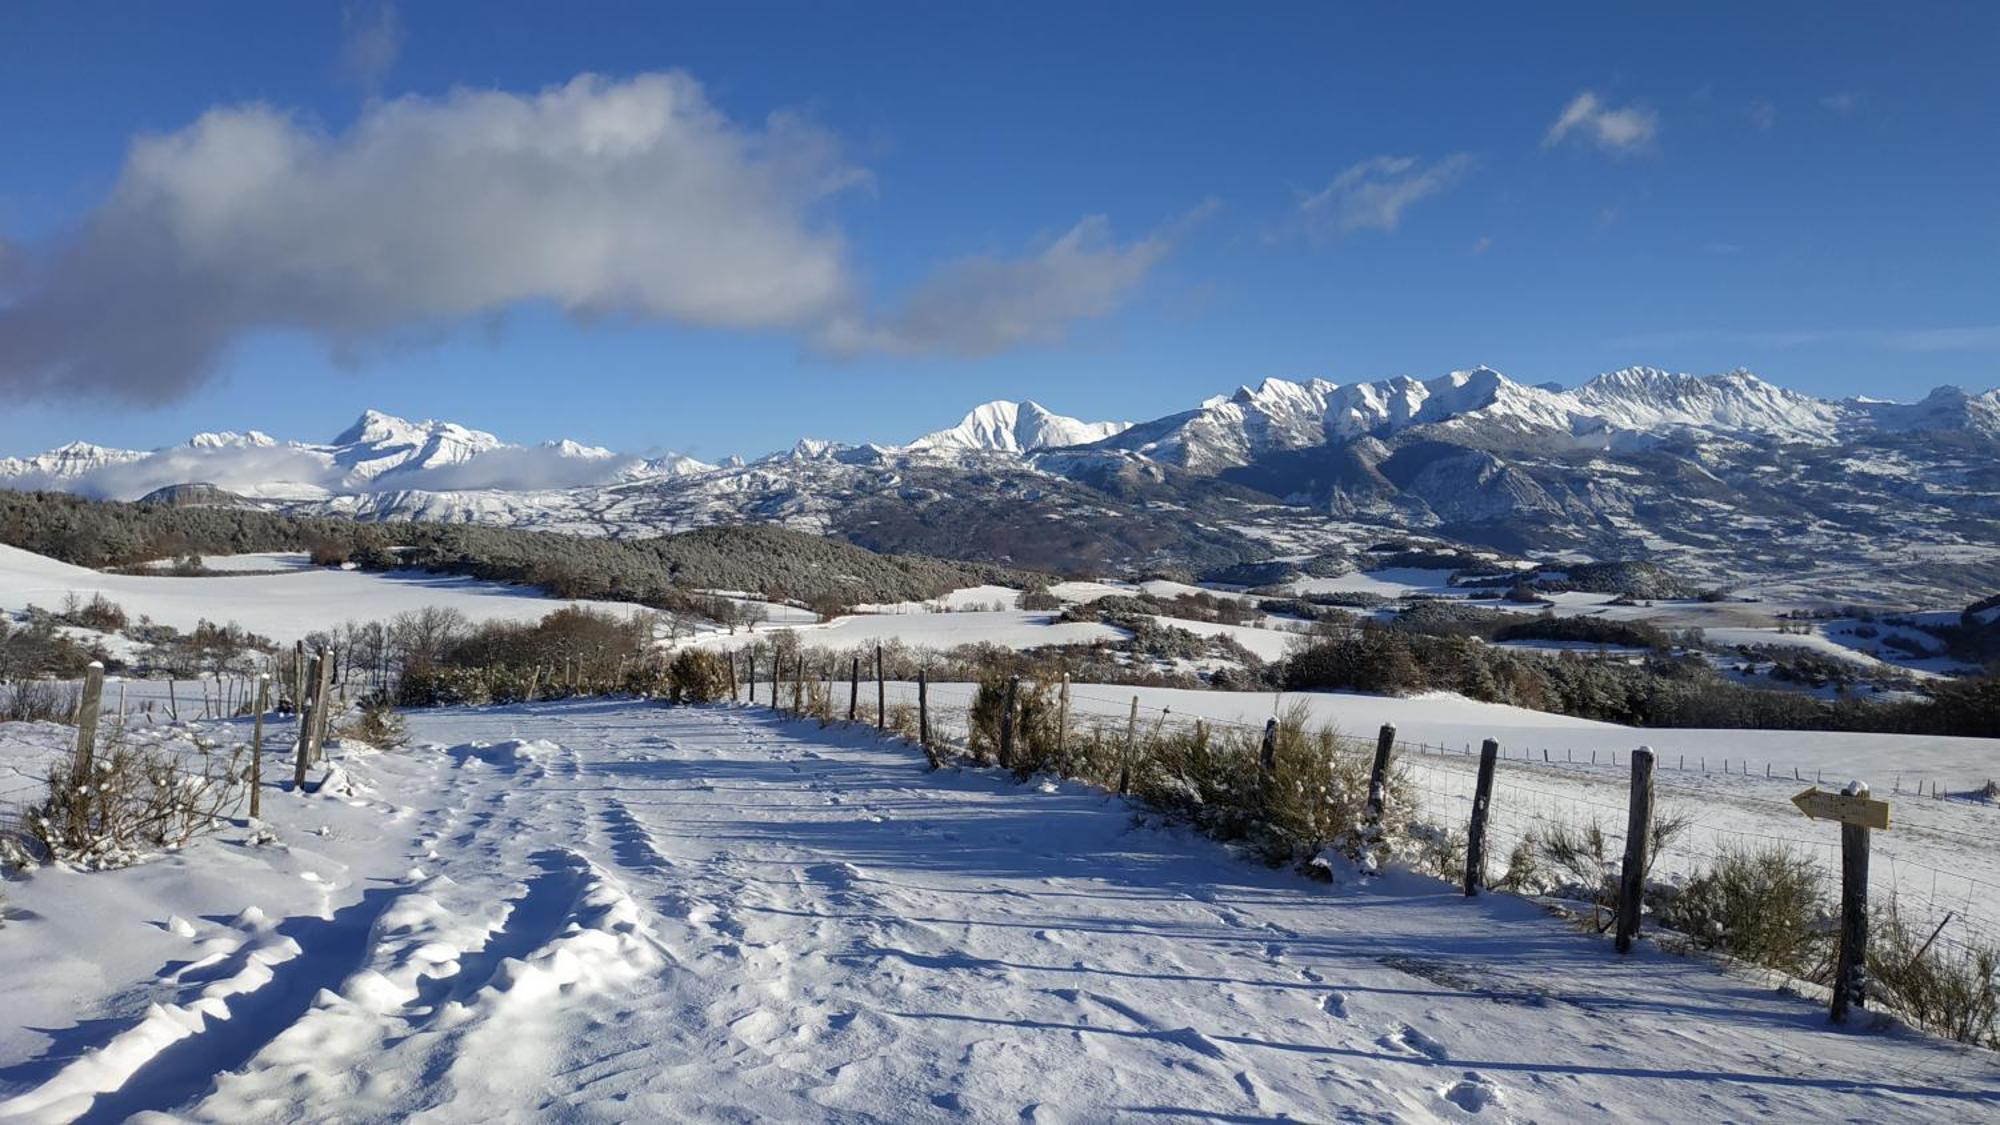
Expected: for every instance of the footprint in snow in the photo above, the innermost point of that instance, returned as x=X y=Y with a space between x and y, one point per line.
x=1473 y=1093
x=1335 y=1004
x=1412 y=1041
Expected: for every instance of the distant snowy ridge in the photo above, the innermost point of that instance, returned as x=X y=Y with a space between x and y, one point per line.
x=379 y=452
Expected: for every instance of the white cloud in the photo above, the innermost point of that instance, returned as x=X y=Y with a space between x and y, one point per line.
x=633 y=199
x=1373 y=194
x=1763 y=115
x=985 y=304
x=1844 y=101
x=601 y=198
x=371 y=39
x=1621 y=130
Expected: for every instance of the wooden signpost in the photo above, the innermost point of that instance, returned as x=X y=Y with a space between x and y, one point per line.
x=1858 y=814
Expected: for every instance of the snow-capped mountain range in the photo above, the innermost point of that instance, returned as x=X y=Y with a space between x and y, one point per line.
x=1724 y=474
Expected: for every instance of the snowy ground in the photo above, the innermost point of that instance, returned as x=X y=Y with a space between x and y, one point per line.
x=283 y=607
x=612 y=911
x=1735 y=785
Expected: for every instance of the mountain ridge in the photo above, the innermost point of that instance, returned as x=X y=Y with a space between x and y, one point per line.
x=1724 y=475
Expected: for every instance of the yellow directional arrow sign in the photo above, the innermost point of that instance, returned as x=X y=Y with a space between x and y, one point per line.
x=1865 y=812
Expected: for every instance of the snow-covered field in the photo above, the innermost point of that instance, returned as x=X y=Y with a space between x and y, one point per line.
x=615 y=911
x=283 y=607
x=1735 y=786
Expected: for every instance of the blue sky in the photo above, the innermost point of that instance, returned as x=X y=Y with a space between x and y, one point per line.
x=859 y=220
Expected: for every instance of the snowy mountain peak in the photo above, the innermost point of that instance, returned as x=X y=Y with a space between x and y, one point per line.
x=230 y=439
x=568 y=448
x=1016 y=427
x=1647 y=398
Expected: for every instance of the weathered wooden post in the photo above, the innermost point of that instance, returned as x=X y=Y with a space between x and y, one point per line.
x=1850 y=978
x=1378 y=775
x=881 y=692
x=1062 y=723
x=750 y=672
x=1859 y=815
x=87 y=710
x=1638 y=849
x=323 y=706
x=173 y=704
x=799 y=686
x=924 y=717
x=1131 y=742
x=1007 y=724
x=1482 y=799
x=853 y=688
x=1267 y=754
x=302 y=757
x=257 y=747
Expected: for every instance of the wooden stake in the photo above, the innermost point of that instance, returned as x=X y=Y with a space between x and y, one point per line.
x=1131 y=741
x=1482 y=798
x=86 y=720
x=924 y=717
x=853 y=688
x=881 y=694
x=1007 y=724
x=1062 y=723
x=1378 y=775
x=1850 y=977
x=1638 y=849
x=257 y=748
x=302 y=758
x=750 y=659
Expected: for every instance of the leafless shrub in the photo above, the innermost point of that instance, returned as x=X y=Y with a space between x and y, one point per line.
x=1945 y=987
x=128 y=801
x=39 y=701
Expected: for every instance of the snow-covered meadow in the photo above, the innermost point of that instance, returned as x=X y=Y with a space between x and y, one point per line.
x=611 y=910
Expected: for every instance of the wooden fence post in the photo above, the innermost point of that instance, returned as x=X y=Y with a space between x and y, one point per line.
x=257 y=747
x=853 y=688
x=1482 y=799
x=799 y=687
x=301 y=758
x=1267 y=754
x=924 y=716
x=87 y=710
x=1850 y=977
x=881 y=693
x=1638 y=849
x=323 y=699
x=1007 y=724
x=1062 y=723
x=750 y=661
x=1378 y=775
x=1131 y=740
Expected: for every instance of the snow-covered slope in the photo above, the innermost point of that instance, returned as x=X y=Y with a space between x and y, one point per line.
x=611 y=911
x=1646 y=399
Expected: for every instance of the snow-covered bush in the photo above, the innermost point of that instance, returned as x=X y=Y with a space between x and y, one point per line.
x=376 y=724
x=1765 y=905
x=129 y=801
x=698 y=676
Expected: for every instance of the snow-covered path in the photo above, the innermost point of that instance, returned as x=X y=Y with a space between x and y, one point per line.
x=612 y=911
